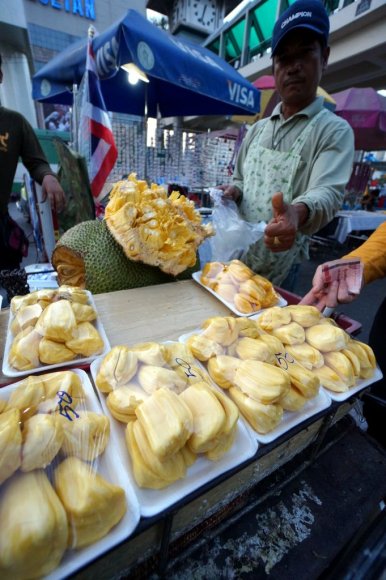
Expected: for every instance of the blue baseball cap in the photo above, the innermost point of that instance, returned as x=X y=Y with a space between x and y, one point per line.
x=309 y=14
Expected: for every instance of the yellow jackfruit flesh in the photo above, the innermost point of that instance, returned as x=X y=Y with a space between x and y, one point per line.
x=67 y=383
x=254 y=349
x=10 y=443
x=262 y=381
x=123 y=401
x=291 y=333
x=86 y=340
x=245 y=305
x=51 y=352
x=117 y=368
x=86 y=436
x=273 y=343
x=208 y=416
x=57 y=322
x=304 y=315
x=150 y=353
x=26 y=316
x=354 y=360
x=330 y=379
x=365 y=356
x=226 y=291
x=228 y=434
x=273 y=318
x=222 y=370
x=247 y=327
x=34 y=528
x=326 y=337
x=293 y=400
x=304 y=380
x=92 y=504
x=222 y=330
x=27 y=397
x=83 y=312
x=306 y=355
x=339 y=363
x=167 y=421
x=152 y=378
x=42 y=439
x=24 y=352
x=204 y=348
x=176 y=353
x=263 y=418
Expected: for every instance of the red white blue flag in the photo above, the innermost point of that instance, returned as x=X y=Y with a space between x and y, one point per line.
x=96 y=139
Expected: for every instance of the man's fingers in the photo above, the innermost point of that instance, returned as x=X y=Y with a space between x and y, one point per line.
x=278 y=205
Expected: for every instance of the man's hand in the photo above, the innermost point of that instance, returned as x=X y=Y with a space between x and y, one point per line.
x=280 y=232
x=343 y=289
x=230 y=192
x=52 y=188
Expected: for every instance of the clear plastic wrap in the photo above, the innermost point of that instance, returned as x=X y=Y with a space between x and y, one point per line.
x=64 y=497
x=176 y=429
x=52 y=328
x=272 y=391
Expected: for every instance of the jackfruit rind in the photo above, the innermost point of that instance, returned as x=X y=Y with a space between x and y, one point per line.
x=34 y=527
x=10 y=443
x=92 y=504
x=42 y=438
x=85 y=437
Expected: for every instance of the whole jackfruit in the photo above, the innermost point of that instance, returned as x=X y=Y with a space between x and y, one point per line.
x=34 y=528
x=88 y=256
x=10 y=443
x=92 y=504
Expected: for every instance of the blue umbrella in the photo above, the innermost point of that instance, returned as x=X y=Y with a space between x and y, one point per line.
x=185 y=78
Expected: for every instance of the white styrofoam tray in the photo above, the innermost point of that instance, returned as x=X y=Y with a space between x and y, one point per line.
x=197 y=278
x=359 y=386
x=110 y=467
x=153 y=501
x=9 y=371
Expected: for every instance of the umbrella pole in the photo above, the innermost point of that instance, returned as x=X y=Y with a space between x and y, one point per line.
x=145 y=119
x=75 y=120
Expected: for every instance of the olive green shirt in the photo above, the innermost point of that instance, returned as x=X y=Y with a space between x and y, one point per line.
x=326 y=160
x=18 y=140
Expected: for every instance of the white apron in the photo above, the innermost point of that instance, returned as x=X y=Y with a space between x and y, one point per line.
x=265 y=172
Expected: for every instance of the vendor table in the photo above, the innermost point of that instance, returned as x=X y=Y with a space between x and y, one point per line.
x=165 y=312
x=356 y=220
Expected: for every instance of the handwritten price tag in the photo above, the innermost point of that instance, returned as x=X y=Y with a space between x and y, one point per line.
x=65 y=409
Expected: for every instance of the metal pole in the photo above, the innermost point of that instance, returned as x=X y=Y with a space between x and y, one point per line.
x=74 y=118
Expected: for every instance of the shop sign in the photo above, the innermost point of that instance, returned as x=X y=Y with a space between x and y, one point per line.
x=83 y=8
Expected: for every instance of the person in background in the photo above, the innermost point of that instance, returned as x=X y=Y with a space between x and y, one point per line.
x=17 y=139
x=372 y=254
x=292 y=167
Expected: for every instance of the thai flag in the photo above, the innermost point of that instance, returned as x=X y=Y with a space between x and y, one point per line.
x=95 y=129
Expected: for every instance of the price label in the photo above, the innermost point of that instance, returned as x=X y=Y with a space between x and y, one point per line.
x=65 y=408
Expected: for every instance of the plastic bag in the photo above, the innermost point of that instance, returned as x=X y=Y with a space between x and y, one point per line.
x=233 y=235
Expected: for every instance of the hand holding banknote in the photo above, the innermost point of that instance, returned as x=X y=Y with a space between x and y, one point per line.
x=335 y=282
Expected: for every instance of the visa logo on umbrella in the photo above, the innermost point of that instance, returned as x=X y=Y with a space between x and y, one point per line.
x=241 y=95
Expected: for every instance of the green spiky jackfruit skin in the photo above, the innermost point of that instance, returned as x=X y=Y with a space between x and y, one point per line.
x=107 y=267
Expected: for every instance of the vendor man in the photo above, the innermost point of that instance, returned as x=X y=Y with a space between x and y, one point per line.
x=292 y=167
x=18 y=139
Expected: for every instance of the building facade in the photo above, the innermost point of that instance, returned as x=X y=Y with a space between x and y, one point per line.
x=32 y=32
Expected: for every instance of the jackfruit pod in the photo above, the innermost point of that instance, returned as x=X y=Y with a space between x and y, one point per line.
x=304 y=315
x=306 y=355
x=3 y=405
x=223 y=445
x=65 y=382
x=222 y=370
x=262 y=282
x=143 y=475
x=245 y=304
x=247 y=327
x=354 y=360
x=231 y=412
x=225 y=277
x=208 y=416
x=327 y=320
x=226 y=291
x=34 y=528
x=26 y=316
x=24 y=352
x=339 y=363
x=330 y=379
x=262 y=381
x=293 y=400
x=152 y=378
x=273 y=317
x=262 y=418
x=251 y=289
x=117 y=368
x=72 y=294
x=51 y=352
x=10 y=443
x=203 y=348
x=326 y=337
x=27 y=397
x=273 y=343
x=57 y=322
x=254 y=349
x=221 y=329
x=291 y=333
x=191 y=373
x=19 y=302
x=42 y=439
x=304 y=380
x=169 y=469
x=83 y=312
x=167 y=421
x=176 y=353
x=86 y=436
x=270 y=299
x=365 y=355
x=240 y=272
x=150 y=353
x=188 y=455
x=92 y=504
x=123 y=401
x=212 y=269
x=86 y=340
